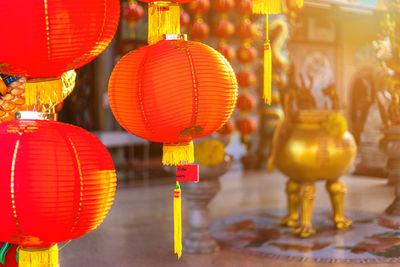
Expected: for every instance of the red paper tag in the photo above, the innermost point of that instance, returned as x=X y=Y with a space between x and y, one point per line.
x=187 y=173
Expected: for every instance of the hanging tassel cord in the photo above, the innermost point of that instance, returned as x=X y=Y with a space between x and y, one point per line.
x=267 y=67
x=177 y=221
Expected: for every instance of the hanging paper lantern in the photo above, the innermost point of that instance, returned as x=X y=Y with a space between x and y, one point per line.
x=227 y=51
x=58 y=183
x=184 y=18
x=223 y=6
x=247 y=126
x=52 y=37
x=173 y=105
x=246 y=102
x=133 y=12
x=198 y=7
x=243 y=7
x=246 y=54
x=247 y=30
x=223 y=29
x=227 y=128
x=246 y=78
x=199 y=30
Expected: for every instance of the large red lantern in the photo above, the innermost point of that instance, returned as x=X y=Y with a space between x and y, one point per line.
x=58 y=183
x=50 y=37
x=171 y=92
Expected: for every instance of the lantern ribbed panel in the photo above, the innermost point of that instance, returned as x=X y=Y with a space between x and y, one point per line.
x=49 y=37
x=64 y=182
x=158 y=91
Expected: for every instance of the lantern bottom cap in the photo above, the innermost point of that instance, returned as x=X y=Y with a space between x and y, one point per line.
x=34 y=257
x=178 y=153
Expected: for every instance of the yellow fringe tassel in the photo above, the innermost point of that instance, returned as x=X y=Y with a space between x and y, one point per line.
x=266 y=6
x=267 y=73
x=177 y=221
x=43 y=91
x=178 y=153
x=38 y=257
x=164 y=18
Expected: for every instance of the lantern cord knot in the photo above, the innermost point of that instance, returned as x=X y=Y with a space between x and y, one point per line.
x=178 y=153
x=34 y=257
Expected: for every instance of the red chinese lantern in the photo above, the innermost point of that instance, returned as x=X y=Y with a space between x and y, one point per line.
x=223 y=29
x=243 y=7
x=247 y=126
x=224 y=6
x=227 y=51
x=227 y=129
x=246 y=78
x=52 y=37
x=133 y=12
x=247 y=30
x=173 y=105
x=246 y=54
x=184 y=18
x=58 y=184
x=246 y=102
x=199 y=30
x=198 y=7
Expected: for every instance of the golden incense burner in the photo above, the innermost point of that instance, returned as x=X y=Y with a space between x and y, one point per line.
x=314 y=146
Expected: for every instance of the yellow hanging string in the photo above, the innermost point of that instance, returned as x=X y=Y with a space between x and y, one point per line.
x=267 y=95
x=177 y=221
x=267 y=7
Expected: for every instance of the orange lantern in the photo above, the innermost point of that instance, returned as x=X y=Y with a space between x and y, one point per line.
x=171 y=92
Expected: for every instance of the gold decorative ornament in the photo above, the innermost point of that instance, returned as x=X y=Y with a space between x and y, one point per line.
x=313 y=146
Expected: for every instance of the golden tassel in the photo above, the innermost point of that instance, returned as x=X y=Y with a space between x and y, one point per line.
x=177 y=221
x=164 y=18
x=266 y=6
x=267 y=73
x=38 y=257
x=178 y=153
x=43 y=91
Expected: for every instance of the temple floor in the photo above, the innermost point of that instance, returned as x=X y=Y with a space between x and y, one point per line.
x=139 y=229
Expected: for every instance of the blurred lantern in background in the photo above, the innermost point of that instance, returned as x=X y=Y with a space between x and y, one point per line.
x=198 y=30
x=62 y=35
x=223 y=28
x=48 y=199
x=247 y=31
x=132 y=12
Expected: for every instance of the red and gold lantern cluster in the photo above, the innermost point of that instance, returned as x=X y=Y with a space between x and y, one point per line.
x=223 y=28
x=247 y=31
x=172 y=91
x=58 y=181
x=198 y=29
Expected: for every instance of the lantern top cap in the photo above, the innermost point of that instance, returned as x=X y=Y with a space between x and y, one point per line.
x=34 y=115
x=175 y=36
